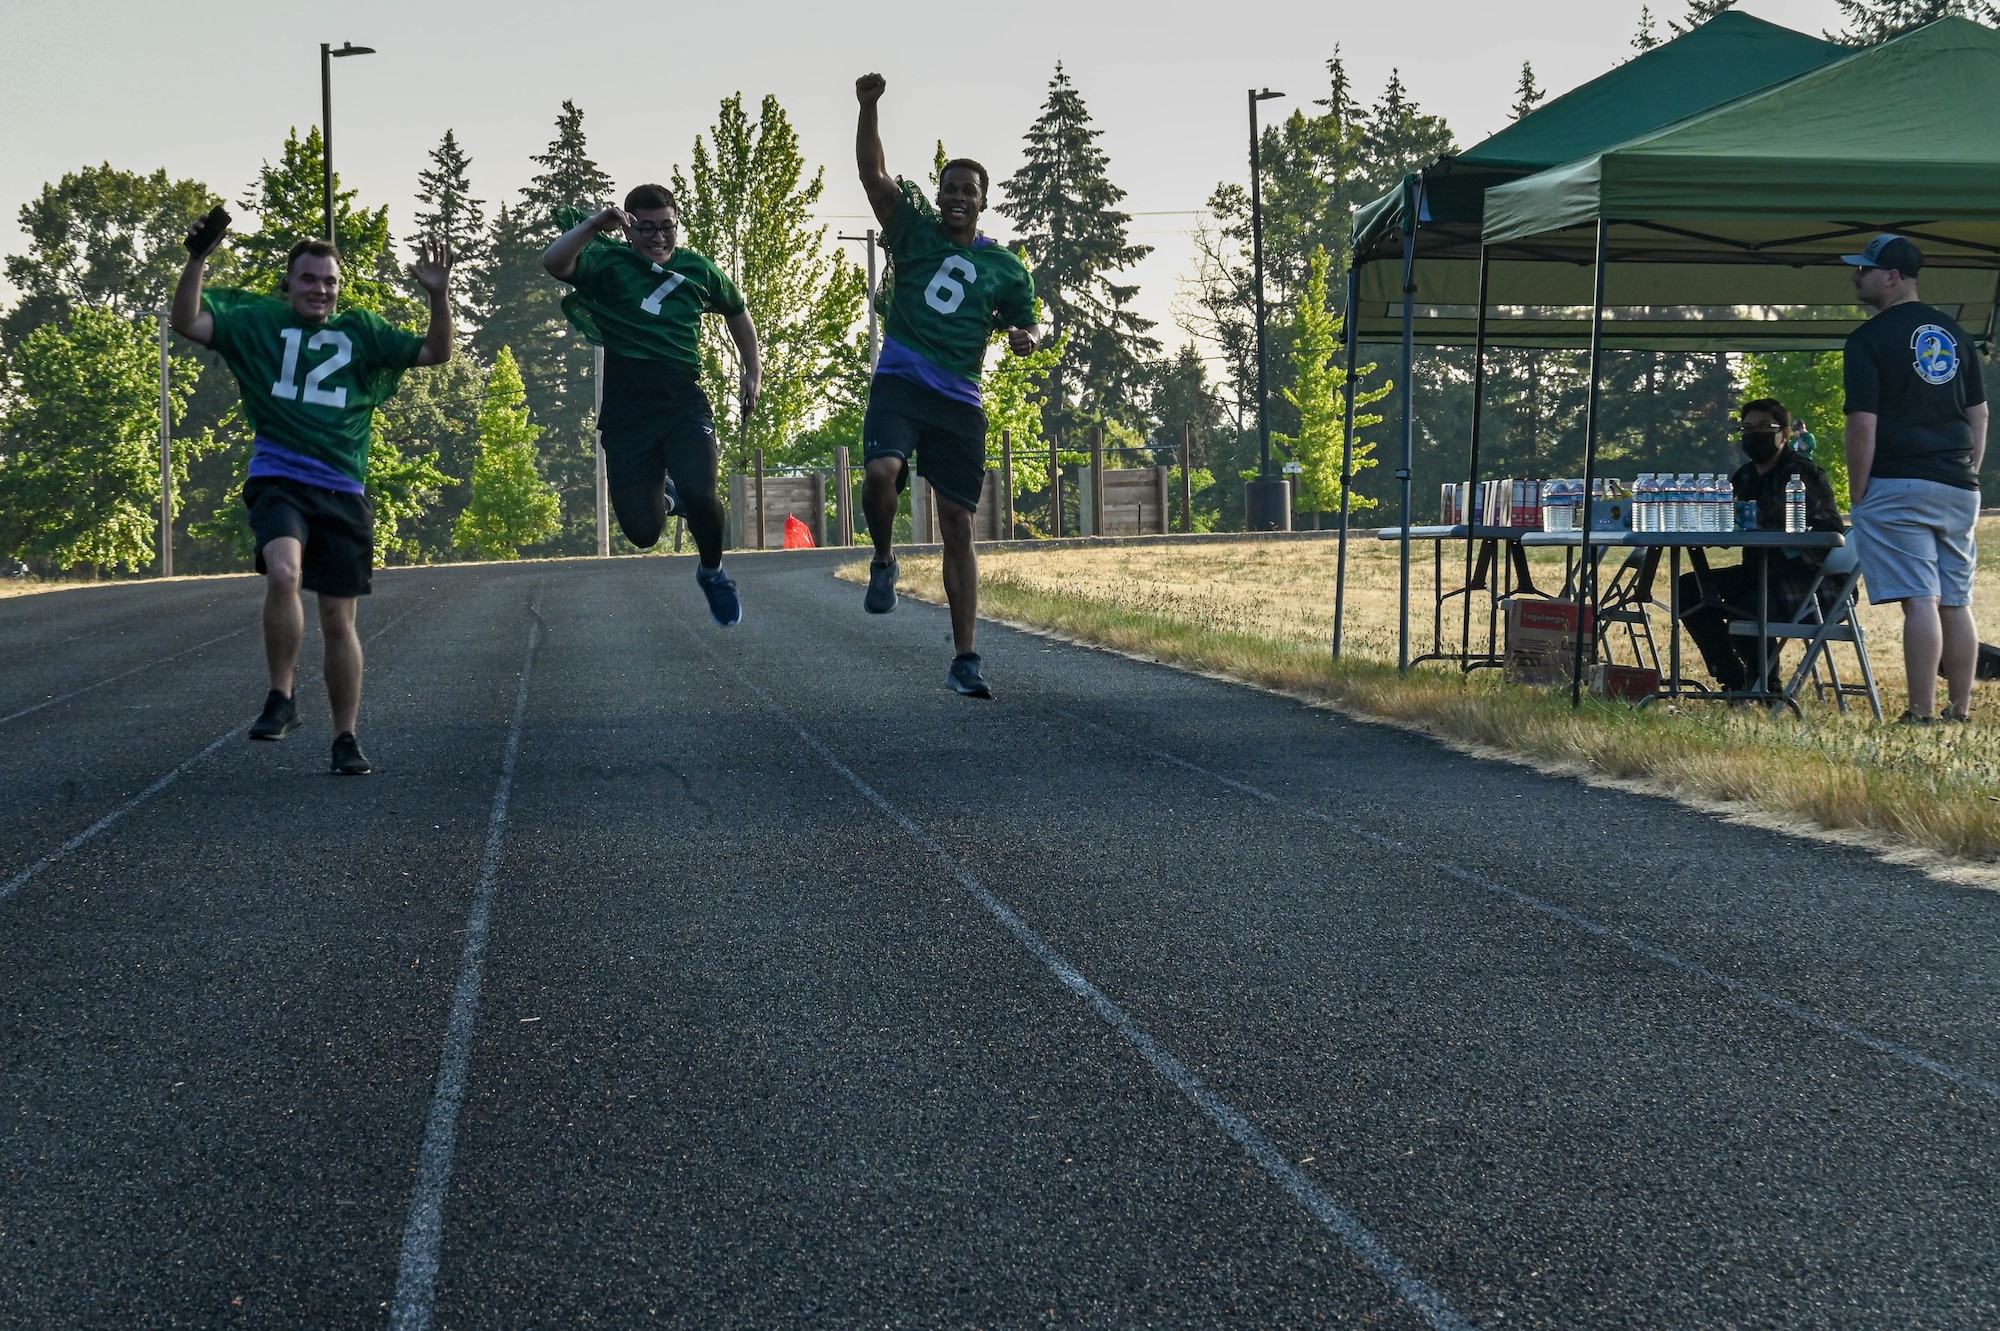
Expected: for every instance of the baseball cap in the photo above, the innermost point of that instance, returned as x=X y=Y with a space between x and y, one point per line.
x=1886 y=251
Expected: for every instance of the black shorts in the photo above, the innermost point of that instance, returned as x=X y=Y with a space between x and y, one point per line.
x=947 y=438
x=337 y=530
x=678 y=442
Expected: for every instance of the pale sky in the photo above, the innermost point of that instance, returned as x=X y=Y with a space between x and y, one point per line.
x=208 y=90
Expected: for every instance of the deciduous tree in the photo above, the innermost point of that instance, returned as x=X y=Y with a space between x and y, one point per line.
x=512 y=505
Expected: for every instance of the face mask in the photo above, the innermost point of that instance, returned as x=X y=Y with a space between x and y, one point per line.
x=1760 y=445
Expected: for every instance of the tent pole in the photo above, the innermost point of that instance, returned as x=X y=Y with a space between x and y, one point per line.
x=1586 y=571
x=1346 y=450
x=1411 y=206
x=1472 y=468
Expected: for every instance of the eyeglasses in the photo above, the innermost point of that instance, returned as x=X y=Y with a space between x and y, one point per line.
x=655 y=228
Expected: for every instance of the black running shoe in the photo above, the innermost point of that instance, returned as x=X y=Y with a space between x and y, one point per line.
x=965 y=677
x=723 y=602
x=881 y=598
x=674 y=500
x=348 y=759
x=280 y=718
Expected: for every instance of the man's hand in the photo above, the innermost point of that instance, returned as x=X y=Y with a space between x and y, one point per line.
x=207 y=233
x=868 y=89
x=748 y=387
x=613 y=218
x=1021 y=341
x=432 y=269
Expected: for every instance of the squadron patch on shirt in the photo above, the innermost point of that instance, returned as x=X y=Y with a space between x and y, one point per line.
x=1937 y=354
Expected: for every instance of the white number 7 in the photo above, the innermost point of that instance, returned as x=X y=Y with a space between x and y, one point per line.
x=651 y=304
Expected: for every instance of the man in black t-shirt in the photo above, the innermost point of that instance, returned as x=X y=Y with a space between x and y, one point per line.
x=1916 y=433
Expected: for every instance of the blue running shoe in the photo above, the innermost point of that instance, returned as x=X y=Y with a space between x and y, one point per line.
x=965 y=677
x=881 y=597
x=721 y=592
x=674 y=508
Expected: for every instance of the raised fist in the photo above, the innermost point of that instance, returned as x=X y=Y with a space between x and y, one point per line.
x=868 y=88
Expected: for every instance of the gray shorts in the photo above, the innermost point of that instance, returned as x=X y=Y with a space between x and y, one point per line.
x=1914 y=538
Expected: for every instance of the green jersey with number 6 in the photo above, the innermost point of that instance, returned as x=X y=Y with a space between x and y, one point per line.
x=948 y=299
x=633 y=307
x=310 y=387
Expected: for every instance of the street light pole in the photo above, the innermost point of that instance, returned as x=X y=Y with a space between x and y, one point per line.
x=1267 y=505
x=327 y=55
x=874 y=330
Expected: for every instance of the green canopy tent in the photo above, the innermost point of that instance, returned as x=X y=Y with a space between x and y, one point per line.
x=1432 y=223
x=1772 y=188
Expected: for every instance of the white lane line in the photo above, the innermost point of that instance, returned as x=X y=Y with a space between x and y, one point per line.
x=113 y=679
x=1819 y=1020
x=423 y=1232
x=21 y=879
x=1423 y=1299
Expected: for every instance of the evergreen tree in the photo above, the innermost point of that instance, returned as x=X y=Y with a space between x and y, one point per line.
x=436 y=414
x=101 y=238
x=1646 y=38
x=1065 y=208
x=512 y=505
x=1526 y=95
x=522 y=305
x=1399 y=138
x=80 y=478
x=290 y=204
x=1319 y=395
x=1872 y=21
x=747 y=204
x=446 y=210
x=1698 y=13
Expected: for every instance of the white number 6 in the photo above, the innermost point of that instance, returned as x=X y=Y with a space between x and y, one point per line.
x=945 y=294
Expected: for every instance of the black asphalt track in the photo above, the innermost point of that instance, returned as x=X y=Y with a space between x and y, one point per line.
x=817 y=995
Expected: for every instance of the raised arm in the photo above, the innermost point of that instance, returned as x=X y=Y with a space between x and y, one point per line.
x=560 y=258
x=432 y=271
x=186 y=314
x=883 y=196
x=744 y=334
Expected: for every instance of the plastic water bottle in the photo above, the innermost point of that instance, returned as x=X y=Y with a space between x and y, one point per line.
x=1725 y=505
x=1684 y=502
x=1642 y=502
x=1795 y=504
x=1712 y=503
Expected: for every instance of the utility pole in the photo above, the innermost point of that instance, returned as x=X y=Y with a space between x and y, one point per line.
x=874 y=330
x=166 y=456
x=327 y=55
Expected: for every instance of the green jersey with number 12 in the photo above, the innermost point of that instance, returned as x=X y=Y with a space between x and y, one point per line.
x=633 y=307
x=948 y=299
x=310 y=387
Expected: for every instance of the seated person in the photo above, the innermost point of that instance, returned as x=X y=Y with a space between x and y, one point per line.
x=1767 y=436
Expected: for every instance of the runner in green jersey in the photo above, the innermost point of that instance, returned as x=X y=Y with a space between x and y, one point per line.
x=642 y=301
x=953 y=289
x=311 y=379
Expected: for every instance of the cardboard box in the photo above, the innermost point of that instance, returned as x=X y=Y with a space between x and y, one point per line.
x=1541 y=640
x=1624 y=682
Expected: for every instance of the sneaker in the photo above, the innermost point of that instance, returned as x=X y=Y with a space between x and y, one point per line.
x=1956 y=718
x=674 y=501
x=881 y=598
x=965 y=677
x=280 y=718
x=723 y=602
x=1912 y=719
x=348 y=759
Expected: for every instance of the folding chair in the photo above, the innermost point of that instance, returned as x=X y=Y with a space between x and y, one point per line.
x=1627 y=601
x=1826 y=615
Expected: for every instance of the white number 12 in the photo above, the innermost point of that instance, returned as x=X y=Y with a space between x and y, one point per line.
x=287 y=386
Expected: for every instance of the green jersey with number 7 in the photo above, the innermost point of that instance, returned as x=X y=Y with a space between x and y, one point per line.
x=948 y=300
x=633 y=307
x=311 y=388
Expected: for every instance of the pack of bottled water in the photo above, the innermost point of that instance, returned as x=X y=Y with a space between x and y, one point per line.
x=1687 y=502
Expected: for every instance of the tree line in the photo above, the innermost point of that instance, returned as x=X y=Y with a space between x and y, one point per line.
x=492 y=454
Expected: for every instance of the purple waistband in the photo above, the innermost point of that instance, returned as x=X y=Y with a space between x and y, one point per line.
x=271 y=459
x=904 y=363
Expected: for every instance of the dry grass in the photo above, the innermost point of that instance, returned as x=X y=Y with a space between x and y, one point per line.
x=1261 y=612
